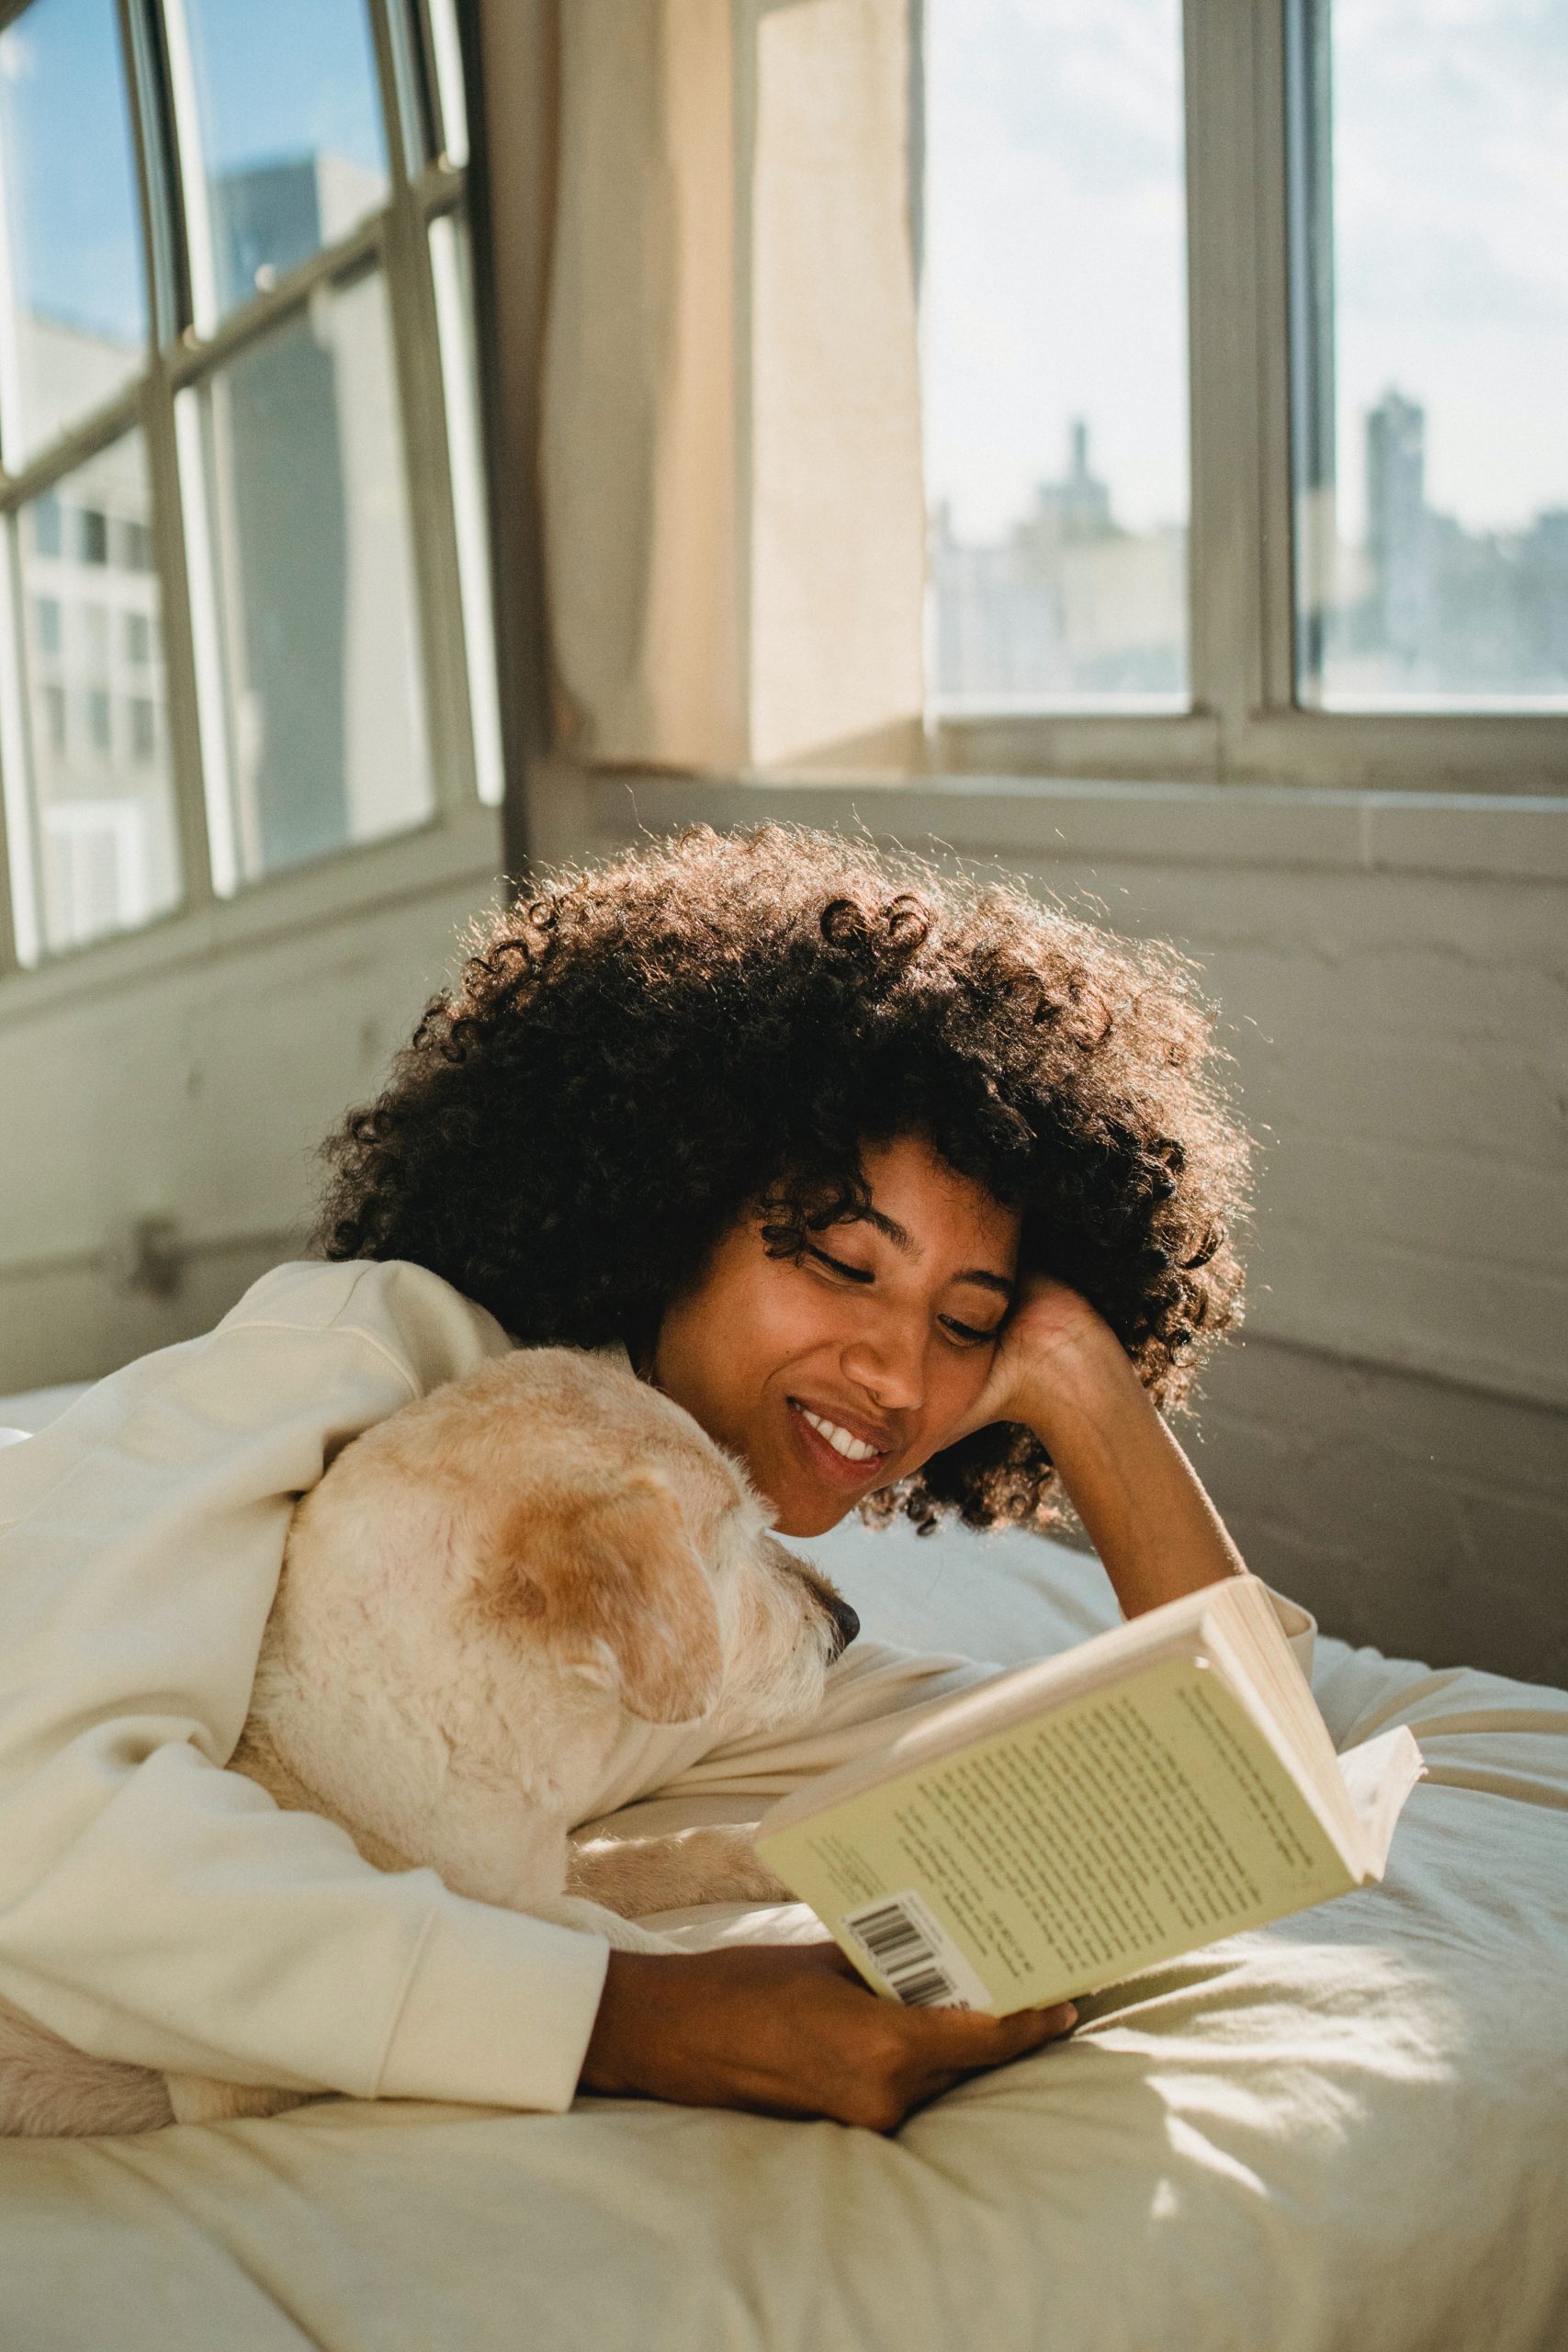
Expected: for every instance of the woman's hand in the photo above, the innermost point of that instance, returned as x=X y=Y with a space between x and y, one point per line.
x=1048 y=1332
x=788 y=2030
x=1061 y=1370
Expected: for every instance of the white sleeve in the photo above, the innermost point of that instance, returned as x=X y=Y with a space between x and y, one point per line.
x=155 y=1907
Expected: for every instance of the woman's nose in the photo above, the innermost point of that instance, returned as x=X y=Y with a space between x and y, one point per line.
x=890 y=1368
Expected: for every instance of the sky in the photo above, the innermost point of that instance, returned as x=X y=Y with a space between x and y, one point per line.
x=274 y=78
x=1055 y=257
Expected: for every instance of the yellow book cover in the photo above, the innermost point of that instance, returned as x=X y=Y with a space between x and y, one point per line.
x=1135 y=1821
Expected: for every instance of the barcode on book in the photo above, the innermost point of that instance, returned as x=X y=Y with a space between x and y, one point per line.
x=918 y=1962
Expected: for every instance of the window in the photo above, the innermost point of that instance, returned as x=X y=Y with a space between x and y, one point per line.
x=232 y=313
x=94 y=527
x=48 y=525
x=315 y=592
x=70 y=745
x=73 y=330
x=265 y=85
x=1054 y=354
x=143 y=728
x=1431 y=466
x=1245 y=339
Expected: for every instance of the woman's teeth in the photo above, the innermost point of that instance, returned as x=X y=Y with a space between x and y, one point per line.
x=839 y=1440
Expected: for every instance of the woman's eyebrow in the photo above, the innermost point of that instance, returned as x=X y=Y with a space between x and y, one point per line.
x=898 y=1234
x=986 y=1281
x=900 y=1238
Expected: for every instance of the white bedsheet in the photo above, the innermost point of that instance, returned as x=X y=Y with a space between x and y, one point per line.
x=1346 y=2133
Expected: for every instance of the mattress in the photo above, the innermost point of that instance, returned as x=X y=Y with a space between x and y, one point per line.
x=1347 y=2130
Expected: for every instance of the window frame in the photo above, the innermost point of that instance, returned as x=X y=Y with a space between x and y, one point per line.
x=1245 y=725
x=423 y=185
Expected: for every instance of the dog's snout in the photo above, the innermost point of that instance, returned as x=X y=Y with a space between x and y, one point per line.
x=846 y=1621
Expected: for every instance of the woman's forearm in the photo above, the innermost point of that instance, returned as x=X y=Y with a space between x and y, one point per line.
x=1142 y=1504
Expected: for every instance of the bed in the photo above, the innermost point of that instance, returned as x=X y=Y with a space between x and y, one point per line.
x=1347 y=2131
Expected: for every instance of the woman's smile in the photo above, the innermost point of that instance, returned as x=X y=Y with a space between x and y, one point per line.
x=833 y=1451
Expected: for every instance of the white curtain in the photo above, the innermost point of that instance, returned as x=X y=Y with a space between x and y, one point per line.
x=731 y=485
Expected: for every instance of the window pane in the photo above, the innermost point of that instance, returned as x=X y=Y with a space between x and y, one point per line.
x=74 y=312
x=1054 y=352
x=1431 y=358
x=323 y=735
x=293 y=148
x=102 y=797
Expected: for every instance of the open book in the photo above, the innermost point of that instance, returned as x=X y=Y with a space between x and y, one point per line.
x=1052 y=1831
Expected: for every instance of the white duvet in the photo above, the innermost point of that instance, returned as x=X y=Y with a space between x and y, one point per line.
x=1349 y=2131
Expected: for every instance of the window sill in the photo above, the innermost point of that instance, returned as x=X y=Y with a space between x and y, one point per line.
x=577 y=812
x=359 y=879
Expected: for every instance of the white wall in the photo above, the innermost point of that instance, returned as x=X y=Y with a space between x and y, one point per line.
x=189 y=1072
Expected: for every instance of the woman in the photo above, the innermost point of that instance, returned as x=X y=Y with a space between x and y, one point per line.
x=916 y=1194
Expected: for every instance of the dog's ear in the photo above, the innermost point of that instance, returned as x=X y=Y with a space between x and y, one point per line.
x=615 y=1584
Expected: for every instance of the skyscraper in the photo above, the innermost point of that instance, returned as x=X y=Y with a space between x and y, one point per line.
x=1398 y=534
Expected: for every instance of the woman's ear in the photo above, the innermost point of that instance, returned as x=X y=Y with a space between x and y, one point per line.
x=616 y=1588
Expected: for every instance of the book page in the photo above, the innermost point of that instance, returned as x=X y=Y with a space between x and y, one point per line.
x=1134 y=1823
x=1378 y=1776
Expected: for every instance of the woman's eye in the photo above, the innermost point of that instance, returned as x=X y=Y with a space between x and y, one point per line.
x=851 y=1273
x=967 y=1334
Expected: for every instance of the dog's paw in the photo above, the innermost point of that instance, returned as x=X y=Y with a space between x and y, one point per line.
x=201 y=2099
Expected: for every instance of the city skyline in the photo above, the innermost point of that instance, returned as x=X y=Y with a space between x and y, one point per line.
x=1055 y=273
x=1068 y=602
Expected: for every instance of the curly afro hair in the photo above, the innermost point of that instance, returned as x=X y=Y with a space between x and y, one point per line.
x=635 y=1057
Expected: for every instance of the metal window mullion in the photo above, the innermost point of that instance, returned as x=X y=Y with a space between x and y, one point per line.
x=416 y=359
x=9 y=959
x=195 y=356
x=189 y=171
x=17 y=945
x=441 y=42
x=176 y=630
x=427 y=474
x=1219 y=50
x=144 y=45
x=1282 y=308
x=438 y=189
x=166 y=259
x=415 y=132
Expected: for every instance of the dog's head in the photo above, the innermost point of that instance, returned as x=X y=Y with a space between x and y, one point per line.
x=634 y=1550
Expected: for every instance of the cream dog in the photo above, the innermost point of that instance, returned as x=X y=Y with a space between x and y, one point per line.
x=474 y=1597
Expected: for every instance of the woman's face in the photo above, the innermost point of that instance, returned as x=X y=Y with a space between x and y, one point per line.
x=844 y=1373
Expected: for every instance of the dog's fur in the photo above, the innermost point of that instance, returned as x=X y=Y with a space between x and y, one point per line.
x=471 y=1596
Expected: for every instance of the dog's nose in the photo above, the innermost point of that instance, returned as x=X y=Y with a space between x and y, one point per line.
x=846 y=1623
